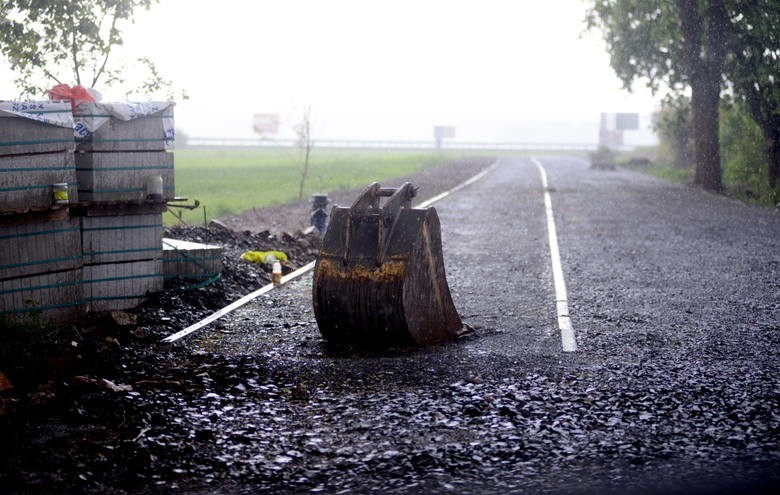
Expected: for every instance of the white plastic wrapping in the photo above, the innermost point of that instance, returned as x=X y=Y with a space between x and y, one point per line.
x=53 y=112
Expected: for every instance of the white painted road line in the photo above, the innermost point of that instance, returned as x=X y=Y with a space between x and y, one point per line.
x=460 y=186
x=568 y=339
x=304 y=269
x=235 y=304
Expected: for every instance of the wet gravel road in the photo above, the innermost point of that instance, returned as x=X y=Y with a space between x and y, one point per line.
x=674 y=296
x=675 y=300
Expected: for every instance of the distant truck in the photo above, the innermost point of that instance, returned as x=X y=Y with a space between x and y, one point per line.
x=602 y=159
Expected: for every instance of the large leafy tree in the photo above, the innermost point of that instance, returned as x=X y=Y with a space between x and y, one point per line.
x=709 y=46
x=674 y=44
x=64 y=41
x=753 y=71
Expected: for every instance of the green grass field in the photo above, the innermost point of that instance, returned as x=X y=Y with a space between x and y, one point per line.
x=231 y=180
x=680 y=176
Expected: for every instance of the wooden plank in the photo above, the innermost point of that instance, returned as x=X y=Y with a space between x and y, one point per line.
x=36 y=248
x=122 y=176
x=118 y=209
x=21 y=136
x=26 y=180
x=30 y=215
x=50 y=297
x=114 y=286
x=141 y=134
x=111 y=239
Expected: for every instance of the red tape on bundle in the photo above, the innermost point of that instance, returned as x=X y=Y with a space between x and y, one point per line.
x=76 y=94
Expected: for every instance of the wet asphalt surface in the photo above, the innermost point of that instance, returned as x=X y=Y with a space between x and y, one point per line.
x=674 y=296
x=675 y=300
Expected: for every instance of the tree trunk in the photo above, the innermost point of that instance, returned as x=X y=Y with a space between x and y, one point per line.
x=304 y=143
x=704 y=26
x=773 y=153
x=305 y=172
x=705 y=103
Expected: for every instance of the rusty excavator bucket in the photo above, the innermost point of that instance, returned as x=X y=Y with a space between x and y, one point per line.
x=379 y=279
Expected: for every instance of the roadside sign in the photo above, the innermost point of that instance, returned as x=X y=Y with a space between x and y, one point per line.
x=266 y=123
x=443 y=131
x=627 y=121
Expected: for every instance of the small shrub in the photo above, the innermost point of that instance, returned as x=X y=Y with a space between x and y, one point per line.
x=743 y=152
x=603 y=158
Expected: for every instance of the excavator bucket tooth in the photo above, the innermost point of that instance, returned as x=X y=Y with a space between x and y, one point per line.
x=379 y=279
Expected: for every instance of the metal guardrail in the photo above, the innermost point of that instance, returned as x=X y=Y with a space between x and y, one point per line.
x=393 y=144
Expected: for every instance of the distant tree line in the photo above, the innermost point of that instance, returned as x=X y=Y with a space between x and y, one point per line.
x=725 y=54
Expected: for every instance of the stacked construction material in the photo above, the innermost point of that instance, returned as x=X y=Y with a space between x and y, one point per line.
x=40 y=244
x=60 y=257
x=36 y=152
x=122 y=258
x=125 y=176
x=40 y=270
x=122 y=154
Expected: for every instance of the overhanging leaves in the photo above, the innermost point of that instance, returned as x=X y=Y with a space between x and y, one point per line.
x=47 y=41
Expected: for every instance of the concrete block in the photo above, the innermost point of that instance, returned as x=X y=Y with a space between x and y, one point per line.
x=26 y=180
x=114 y=286
x=191 y=260
x=104 y=131
x=36 y=248
x=111 y=239
x=122 y=176
x=48 y=298
x=22 y=134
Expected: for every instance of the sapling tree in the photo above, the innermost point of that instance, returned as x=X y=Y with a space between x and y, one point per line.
x=305 y=144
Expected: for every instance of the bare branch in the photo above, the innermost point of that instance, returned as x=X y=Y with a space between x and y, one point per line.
x=107 y=48
x=51 y=76
x=75 y=56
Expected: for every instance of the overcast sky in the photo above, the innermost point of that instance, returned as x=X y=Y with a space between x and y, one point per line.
x=498 y=70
